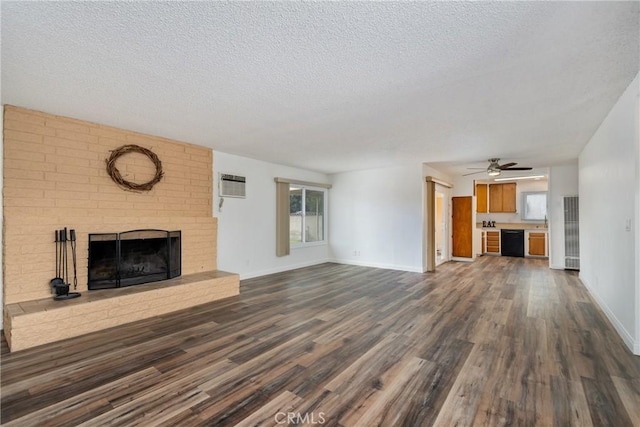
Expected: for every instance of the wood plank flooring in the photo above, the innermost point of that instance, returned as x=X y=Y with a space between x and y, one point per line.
x=502 y=341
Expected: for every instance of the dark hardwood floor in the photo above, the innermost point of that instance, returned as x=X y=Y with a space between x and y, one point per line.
x=502 y=341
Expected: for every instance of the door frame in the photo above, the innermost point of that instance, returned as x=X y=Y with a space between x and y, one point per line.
x=444 y=232
x=429 y=238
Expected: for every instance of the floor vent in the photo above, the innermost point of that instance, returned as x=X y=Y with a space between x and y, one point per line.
x=571 y=234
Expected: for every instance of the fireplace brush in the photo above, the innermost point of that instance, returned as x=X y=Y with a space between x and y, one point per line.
x=58 y=280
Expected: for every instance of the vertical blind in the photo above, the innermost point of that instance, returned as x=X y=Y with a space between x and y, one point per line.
x=283 y=247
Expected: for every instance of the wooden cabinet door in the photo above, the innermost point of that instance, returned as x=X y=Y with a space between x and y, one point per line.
x=537 y=244
x=495 y=197
x=481 y=198
x=462 y=226
x=502 y=197
x=509 y=197
x=493 y=242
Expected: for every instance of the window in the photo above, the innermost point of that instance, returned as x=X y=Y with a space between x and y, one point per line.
x=301 y=214
x=534 y=206
x=307 y=215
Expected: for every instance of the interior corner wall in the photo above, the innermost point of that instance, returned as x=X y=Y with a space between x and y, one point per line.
x=376 y=218
x=637 y=226
x=563 y=181
x=1 y=213
x=247 y=227
x=608 y=176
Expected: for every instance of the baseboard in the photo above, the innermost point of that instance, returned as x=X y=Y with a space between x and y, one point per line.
x=622 y=332
x=280 y=269
x=556 y=267
x=456 y=258
x=378 y=265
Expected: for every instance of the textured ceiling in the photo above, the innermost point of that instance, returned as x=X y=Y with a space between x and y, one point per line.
x=331 y=86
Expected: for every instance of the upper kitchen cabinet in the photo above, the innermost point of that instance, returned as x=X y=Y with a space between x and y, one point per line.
x=481 y=198
x=502 y=197
x=509 y=197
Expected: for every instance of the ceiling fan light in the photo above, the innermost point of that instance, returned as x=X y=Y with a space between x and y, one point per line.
x=493 y=172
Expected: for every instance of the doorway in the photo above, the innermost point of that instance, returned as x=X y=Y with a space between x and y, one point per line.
x=437 y=223
x=442 y=205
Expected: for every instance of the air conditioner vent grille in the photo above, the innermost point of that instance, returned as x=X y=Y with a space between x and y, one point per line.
x=571 y=233
x=232 y=185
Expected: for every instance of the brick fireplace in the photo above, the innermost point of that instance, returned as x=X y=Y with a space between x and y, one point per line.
x=55 y=177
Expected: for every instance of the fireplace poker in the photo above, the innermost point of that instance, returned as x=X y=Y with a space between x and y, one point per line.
x=73 y=255
x=57 y=255
x=65 y=274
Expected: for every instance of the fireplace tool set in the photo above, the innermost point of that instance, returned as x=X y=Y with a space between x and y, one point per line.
x=60 y=284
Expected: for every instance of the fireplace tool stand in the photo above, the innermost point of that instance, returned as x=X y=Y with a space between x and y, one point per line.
x=60 y=284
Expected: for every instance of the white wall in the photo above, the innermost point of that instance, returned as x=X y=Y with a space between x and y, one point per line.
x=375 y=218
x=430 y=171
x=637 y=224
x=1 y=213
x=463 y=186
x=563 y=181
x=608 y=174
x=247 y=227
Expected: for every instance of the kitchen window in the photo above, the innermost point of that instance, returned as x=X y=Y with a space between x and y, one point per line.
x=534 y=206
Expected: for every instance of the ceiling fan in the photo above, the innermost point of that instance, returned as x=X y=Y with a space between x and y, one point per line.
x=495 y=168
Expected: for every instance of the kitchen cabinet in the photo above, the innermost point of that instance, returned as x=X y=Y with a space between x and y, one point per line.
x=493 y=242
x=502 y=197
x=509 y=197
x=537 y=244
x=481 y=198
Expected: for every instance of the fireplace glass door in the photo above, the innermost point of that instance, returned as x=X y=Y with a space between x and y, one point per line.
x=133 y=258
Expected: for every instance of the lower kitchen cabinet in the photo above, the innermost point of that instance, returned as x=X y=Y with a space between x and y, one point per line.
x=493 y=242
x=538 y=244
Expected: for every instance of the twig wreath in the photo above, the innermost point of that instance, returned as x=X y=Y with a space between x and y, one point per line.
x=115 y=175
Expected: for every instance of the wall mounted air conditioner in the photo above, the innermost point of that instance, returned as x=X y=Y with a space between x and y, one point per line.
x=232 y=185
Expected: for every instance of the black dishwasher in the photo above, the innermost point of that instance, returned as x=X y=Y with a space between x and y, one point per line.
x=512 y=242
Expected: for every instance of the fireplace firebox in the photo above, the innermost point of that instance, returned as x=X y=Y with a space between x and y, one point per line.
x=133 y=258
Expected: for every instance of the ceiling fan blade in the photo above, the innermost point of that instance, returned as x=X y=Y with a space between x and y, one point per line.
x=473 y=173
x=477 y=168
x=516 y=169
x=507 y=165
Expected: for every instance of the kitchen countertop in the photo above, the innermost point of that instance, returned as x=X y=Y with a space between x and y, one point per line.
x=513 y=226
